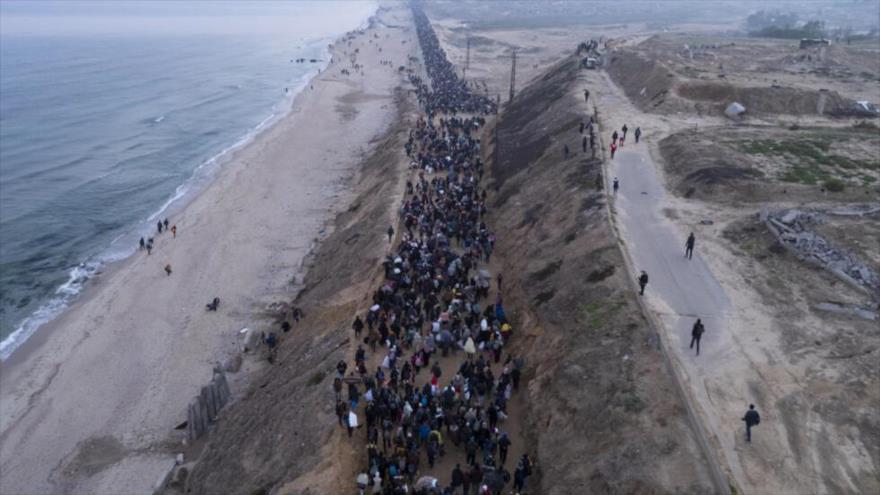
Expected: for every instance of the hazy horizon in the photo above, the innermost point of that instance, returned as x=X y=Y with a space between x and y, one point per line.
x=140 y=18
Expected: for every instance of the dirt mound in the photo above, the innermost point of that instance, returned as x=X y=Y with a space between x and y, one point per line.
x=770 y=100
x=757 y=164
x=284 y=427
x=601 y=409
x=647 y=83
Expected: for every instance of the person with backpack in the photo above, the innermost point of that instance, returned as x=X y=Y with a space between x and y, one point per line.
x=638 y=134
x=752 y=418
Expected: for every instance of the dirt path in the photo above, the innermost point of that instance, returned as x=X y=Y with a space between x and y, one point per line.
x=743 y=359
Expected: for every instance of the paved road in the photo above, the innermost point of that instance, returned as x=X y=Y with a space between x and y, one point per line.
x=679 y=290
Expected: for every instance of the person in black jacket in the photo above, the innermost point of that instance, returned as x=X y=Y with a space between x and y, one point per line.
x=457 y=477
x=643 y=281
x=689 y=246
x=752 y=418
x=696 y=334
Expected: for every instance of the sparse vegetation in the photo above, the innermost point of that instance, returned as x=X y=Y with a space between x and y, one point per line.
x=814 y=160
x=834 y=185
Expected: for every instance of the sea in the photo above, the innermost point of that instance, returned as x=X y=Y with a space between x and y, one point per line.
x=113 y=119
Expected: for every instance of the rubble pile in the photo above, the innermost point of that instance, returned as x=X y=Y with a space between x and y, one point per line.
x=792 y=228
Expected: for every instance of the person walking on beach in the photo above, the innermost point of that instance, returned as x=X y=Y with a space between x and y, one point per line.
x=638 y=134
x=165 y=223
x=752 y=418
x=159 y=226
x=143 y=244
x=624 y=129
x=689 y=246
x=696 y=334
x=643 y=281
x=613 y=149
x=149 y=245
x=174 y=231
x=168 y=269
x=390 y=233
x=614 y=137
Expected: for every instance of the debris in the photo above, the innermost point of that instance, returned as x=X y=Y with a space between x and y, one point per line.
x=734 y=110
x=792 y=230
x=831 y=307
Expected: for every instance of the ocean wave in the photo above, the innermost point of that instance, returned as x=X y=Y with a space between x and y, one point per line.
x=124 y=244
x=50 y=310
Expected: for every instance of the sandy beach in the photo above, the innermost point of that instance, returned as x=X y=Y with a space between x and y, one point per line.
x=90 y=403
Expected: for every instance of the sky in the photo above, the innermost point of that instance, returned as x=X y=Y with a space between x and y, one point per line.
x=114 y=17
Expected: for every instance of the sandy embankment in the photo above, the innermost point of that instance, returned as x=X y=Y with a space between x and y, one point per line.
x=89 y=404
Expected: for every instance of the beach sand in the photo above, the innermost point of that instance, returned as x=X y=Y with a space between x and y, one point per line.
x=89 y=404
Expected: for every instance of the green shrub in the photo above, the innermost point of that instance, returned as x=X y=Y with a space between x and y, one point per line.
x=834 y=185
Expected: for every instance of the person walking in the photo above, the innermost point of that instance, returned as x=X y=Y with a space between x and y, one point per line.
x=165 y=223
x=357 y=325
x=624 y=129
x=457 y=478
x=586 y=94
x=584 y=143
x=643 y=281
x=616 y=184
x=638 y=134
x=689 y=246
x=390 y=232
x=143 y=244
x=696 y=334
x=614 y=137
x=613 y=149
x=159 y=226
x=174 y=231
x=565 y=151
x=168 y=269
x=752 y=418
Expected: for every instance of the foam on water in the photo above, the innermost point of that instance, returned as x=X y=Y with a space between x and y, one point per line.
x=124 y=244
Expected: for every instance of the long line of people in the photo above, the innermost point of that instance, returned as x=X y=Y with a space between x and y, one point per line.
x=434 y=308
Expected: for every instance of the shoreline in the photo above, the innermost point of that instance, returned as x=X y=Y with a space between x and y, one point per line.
x=203 y=175
x=142 y=358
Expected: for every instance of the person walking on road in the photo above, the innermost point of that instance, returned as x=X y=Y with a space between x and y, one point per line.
x=696 y=334
x=643 y=281
x=616 y=184
x=390 y=233
x=638 y=134
x=689 y=246
x=752 y=418
x=613 y=150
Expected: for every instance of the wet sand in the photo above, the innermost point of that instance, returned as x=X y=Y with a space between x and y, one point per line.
x=90 y=403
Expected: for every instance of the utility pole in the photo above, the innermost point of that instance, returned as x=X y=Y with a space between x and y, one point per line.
x=467 y=59
x=512 y=75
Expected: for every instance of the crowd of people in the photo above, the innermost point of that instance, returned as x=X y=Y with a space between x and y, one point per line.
x=440 y=382
x=447 y=92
